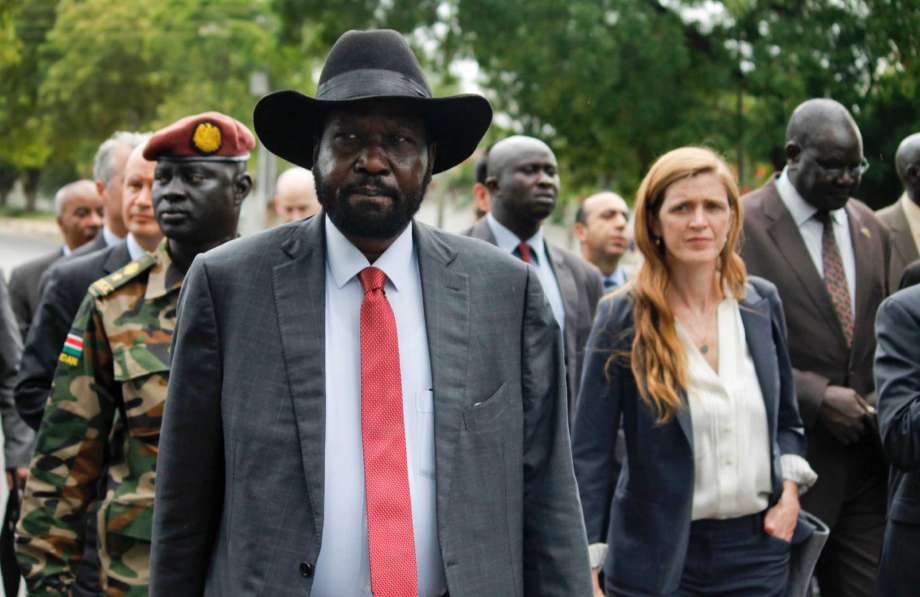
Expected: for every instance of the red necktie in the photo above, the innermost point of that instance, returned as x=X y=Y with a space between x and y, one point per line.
x=390 y=539
x=834 y=277
x=524 y=251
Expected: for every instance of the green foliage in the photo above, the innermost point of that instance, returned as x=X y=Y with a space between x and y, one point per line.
x=610 y=84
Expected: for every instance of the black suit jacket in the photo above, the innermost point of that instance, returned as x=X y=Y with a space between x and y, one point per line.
x=65 y=286
x=25 y=288
x=644 y=514
x=897 y=377
x=581 y=286
x=773 y=249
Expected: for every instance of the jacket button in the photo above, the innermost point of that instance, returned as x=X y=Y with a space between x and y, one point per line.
x=306 y=569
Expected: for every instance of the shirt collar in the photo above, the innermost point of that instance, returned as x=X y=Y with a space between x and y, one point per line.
x=65 y=250
x=801 y=210
x=508 y=241
x=110 y=237
x=156 y=281
x=618 y=277
x=345 y=261
x=135 y=250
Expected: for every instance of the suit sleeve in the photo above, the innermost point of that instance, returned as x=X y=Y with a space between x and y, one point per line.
x=790 y=432
x=46 y=336
x=190 y=464
x=69 y=460
x=19 y=301
x=596 y=424
x=555 y=548
x=897 y=379
x=17 y=437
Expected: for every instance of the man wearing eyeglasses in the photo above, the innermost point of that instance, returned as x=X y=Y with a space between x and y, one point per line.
x=828 y=256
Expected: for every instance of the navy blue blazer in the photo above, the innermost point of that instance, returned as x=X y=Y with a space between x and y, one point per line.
x=644 y=515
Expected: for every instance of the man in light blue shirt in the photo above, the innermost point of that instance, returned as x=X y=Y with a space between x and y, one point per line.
x=523 y=181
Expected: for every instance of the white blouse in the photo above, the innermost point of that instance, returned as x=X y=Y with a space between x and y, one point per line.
x=731 y=441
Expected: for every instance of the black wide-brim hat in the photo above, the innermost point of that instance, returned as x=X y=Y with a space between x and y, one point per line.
x=367 y=66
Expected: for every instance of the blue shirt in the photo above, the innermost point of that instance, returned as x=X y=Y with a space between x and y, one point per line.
x=342 y=567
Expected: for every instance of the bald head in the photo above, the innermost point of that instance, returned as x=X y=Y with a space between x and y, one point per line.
x=824 y=153
x=523 y=181
x=79 y=212
x=907 y=163
x=602 y=228
x=295 y=195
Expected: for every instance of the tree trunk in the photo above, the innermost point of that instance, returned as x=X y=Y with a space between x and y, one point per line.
x=30 y=187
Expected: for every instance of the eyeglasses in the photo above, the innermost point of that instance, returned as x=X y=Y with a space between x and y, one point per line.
x=854 y=170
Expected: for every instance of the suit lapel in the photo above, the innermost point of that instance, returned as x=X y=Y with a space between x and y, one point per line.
x=299 y=285
x=445 y=295
x=116 y=258
x=758 y=329
x=789 y=244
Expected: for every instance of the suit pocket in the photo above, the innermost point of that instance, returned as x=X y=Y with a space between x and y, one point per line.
x=486 y=415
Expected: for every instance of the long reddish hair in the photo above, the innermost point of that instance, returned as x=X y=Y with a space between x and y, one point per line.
x=658 y=360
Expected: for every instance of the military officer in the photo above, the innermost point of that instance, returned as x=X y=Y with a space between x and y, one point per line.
x=102 y=424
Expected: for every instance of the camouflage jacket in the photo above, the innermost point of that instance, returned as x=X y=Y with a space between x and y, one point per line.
x=102 y=423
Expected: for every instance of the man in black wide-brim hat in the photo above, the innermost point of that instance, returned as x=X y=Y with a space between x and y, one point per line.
x=360 y=404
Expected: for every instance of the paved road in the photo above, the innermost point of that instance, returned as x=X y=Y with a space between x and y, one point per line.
x=19 y=248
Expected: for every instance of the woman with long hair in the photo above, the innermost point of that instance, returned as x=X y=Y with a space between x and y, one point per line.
x=690 y=359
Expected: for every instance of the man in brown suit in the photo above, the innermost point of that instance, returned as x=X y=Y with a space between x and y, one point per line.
x=902 y=218
x=828 y=256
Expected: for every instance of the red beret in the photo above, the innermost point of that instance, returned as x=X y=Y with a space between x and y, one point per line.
x=207 y=136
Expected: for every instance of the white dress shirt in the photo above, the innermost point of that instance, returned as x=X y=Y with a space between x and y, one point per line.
x=508 y=241
x=812 y=231
x=134 y=248
x=110 y=237
x=731 y=441
x=342 y=567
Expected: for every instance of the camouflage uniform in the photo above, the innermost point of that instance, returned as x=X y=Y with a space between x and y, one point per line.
x=103 y=421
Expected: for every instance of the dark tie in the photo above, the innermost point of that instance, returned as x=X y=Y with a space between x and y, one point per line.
x=523 y=250
x=609 y=283
x=835 y=278
x=390 y=538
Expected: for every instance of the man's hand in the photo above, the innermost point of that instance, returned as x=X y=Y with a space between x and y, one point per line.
x=844 y=413
x=781 y=519
x=596 y=583
x=17 y=475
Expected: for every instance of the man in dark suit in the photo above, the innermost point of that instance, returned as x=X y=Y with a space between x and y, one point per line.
x=79 y=216
x=523 y=182
x=902 y=218
x=897 y=377
x=828 y=256
x=339 y=428
x=68 y=280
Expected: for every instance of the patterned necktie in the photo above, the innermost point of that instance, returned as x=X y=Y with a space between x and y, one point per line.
x=834 y=277
x=390 y=538
x=523 y=250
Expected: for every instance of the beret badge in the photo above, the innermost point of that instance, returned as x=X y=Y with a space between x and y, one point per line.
x=206 y=138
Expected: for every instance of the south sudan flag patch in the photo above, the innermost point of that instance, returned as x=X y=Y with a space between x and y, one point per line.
x=73 y=348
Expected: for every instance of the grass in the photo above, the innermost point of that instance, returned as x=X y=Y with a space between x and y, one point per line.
x=18 y=212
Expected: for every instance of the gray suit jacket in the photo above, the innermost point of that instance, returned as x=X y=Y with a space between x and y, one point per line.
x=239 y=493
x=17 y=437
x=582 y=287
x=25 y=288
x=773 y=249
x=903 y=247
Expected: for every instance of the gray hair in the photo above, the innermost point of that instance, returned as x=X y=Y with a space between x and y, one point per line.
x=66 y=192
x=103 y=163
